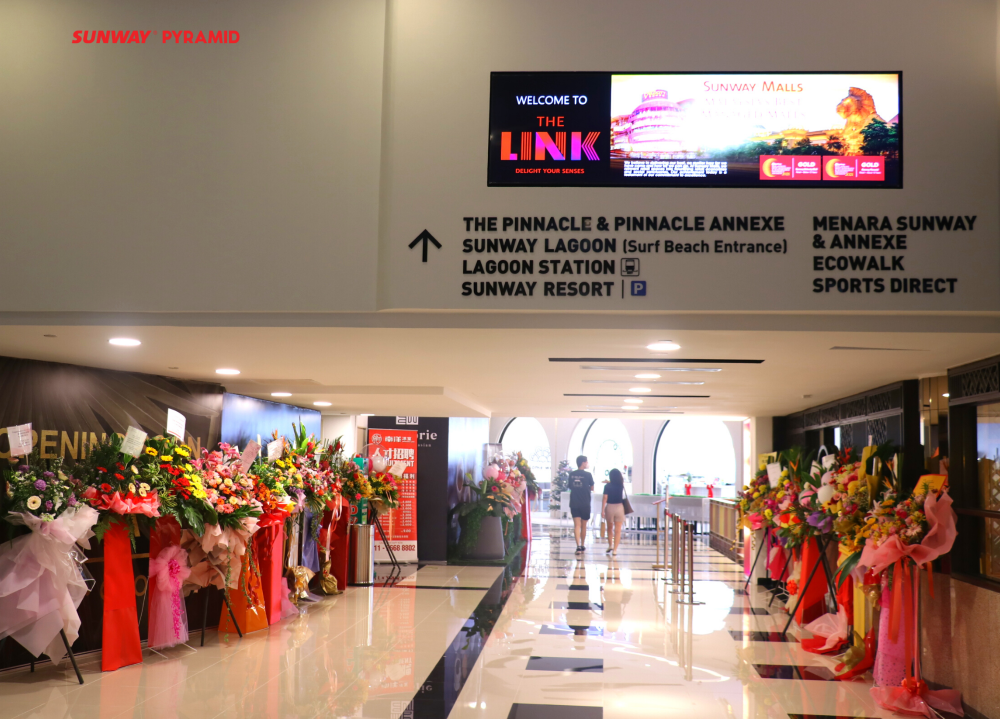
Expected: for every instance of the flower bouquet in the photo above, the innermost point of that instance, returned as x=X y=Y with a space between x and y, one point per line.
x=529 y=477
x=229 y=491
x=385 y=492
x=41 y=584
x=165 y=465
x=900 y=536
x=116 y=490
x=755 y=510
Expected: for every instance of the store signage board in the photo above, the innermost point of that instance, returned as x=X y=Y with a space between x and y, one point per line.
x=399 y=449
x=249 y=455
x=176 y=422
x=20 y=440
x=135 y=438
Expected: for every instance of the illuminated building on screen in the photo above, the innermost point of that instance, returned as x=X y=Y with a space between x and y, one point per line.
x=655 y=128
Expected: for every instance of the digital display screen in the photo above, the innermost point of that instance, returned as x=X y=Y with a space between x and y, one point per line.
x=820 y=129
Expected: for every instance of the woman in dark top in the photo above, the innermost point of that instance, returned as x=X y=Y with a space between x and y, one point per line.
x=613 y=509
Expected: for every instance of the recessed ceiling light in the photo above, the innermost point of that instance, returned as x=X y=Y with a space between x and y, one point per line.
x=322 y=404
x=640 y=389
x=367 y=414
x=634 y=401
x=629 y=406
x=647 y=376
x=124 y=342
x=281 y=394
x=227 y=371
x=946 y=395
x=663 y=346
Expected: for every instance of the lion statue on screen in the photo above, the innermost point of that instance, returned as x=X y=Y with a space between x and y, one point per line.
x=857 y=109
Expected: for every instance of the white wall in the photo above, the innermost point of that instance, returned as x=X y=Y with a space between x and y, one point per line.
x=235 y=178
x=341 y=426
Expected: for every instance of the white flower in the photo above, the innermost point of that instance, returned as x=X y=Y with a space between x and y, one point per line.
x=34 y=502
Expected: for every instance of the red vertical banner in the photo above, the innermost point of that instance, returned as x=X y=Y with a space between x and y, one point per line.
x=120 y=645
x=400 y=524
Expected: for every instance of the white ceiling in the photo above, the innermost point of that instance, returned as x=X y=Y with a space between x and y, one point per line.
x=507 y=372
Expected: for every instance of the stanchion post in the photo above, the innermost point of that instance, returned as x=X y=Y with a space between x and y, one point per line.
x=679 y=582
x=691 y=533
x=672 y=519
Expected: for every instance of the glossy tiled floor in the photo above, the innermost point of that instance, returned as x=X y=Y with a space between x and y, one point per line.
x=554 y=636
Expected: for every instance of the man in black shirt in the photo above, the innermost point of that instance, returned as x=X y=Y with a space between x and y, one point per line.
x=581 y=484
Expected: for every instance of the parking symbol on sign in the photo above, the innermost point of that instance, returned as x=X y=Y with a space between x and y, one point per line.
x=638 y=288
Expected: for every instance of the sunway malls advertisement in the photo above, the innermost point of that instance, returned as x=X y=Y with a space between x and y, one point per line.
x=696 y=129
x=400 y=524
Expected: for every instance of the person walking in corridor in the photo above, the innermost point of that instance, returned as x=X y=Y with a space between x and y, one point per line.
x=581 y=484
x=613 y=509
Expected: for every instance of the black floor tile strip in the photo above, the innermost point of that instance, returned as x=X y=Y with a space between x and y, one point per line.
x=791 y=671
x=433 y=586
x=761 y=636
x=565 y=664
x=438 y=694
x=554 y=711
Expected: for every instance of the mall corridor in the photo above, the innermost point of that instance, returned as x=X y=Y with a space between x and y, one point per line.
x=553 y=636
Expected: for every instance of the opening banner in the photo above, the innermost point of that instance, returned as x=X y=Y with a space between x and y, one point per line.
x=400 y=524
x=735 y=129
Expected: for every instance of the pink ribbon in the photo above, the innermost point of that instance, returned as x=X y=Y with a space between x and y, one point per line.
x=938 y=540
x=915 y=699
x=170 y=568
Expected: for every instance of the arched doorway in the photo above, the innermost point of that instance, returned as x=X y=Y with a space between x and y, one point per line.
x=527 y=436
x=699 y=447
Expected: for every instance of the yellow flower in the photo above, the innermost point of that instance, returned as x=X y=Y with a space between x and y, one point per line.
x=135 y=470
x=279 y=463
x=143 y=485
x=233 y=500
x=151 y=452
x=780 y=494
x=142 y=492
x=166 y=458
x=188 y=468
x=768 y=513
x=182 y=452
x=763 y=466
x=131 y=488
x=852 y=487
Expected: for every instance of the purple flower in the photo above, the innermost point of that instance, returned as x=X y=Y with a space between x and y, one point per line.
x=72 y=500
x=40 y=485
x=821 y=521
x=23 y=469
x=50 y=475
x=48 y=505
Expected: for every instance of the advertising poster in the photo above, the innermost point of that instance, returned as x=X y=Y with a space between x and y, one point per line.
x=400 y=524
x=820 y=129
